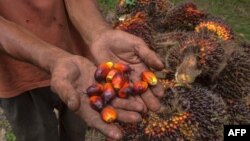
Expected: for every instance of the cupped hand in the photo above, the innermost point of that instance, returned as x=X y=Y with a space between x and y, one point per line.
x=122 y=47
x=70 y=76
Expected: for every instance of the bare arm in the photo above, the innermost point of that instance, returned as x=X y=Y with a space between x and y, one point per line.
x=87 y=18
x=23 y=45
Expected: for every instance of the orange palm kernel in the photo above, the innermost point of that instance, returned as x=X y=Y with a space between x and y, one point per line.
x=109 y=114
x=149 y=77
x=125 y=91
x=108 y=93
x=95 y=89
x=111 y=75
x=118 y=81
x=122 y=67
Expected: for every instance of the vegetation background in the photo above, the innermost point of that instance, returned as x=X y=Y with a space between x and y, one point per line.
x=235 y=12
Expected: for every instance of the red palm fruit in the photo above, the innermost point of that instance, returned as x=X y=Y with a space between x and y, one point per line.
x=140 y=87
x=126 y=78
x=149 y=77
x=108 y=93
x=102 y=71
x=122 y=67
x=96 y=102
x=109 y=114
x=125 y=91
x=111 y=75
x=118 y=81
x=95 y=89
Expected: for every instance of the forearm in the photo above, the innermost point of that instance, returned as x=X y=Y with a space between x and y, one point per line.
x=86 y=17
x=23 y=45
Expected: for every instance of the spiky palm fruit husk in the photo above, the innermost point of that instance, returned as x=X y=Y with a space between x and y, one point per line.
x=239 y=111
x=182 y=17
x=162 y=7
x=187 y=114
x=137 y=25
x=217 y=26
x=246 y=47
x=234 y=82
x=151 y=7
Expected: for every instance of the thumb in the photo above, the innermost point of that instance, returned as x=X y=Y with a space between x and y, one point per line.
x=67 y=93
x=148 y=56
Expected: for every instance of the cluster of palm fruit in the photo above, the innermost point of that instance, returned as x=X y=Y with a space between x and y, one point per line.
x=206 y=75
x=137 y=24
x=113 y=81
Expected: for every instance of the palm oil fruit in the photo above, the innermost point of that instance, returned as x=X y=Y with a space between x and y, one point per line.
x=95 y=89
x=125 y=91
x=118 y=81
x=102 y=71
x=111 y=75
x=149 y=77
x=122 y=67
x=109 y=114
x=140 y=87
x=96 y=102
x=108 y=93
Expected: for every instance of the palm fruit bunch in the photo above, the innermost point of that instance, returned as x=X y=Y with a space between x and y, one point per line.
x=113 y=81
x=136 y=25
x=195 y=55
x=186 y=114
x=182 y=17
x=234 y=82
x=207 y=109
x=217 y=26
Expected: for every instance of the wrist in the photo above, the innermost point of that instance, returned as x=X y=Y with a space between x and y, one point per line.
x=95 y=33
x=54 y=56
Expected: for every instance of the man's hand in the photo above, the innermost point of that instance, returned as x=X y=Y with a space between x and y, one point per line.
x=119 y=46
x=71 y=76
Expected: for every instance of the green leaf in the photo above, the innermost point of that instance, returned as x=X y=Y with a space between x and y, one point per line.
x=130 y=2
